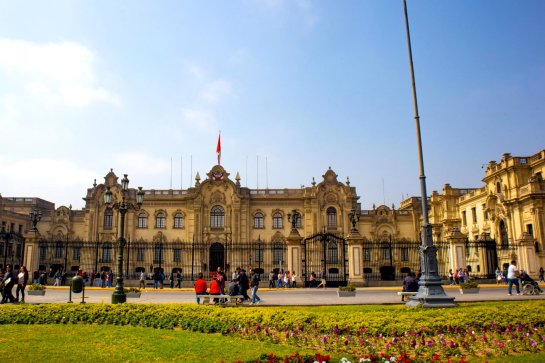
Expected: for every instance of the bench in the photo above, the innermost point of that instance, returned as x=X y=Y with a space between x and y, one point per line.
x=406 y=293
x=229 y=299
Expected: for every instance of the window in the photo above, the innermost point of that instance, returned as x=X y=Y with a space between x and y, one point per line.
x=498 y=187
x=277 y=220
x=43 y=252
x=485 y=213
x=258 y=220
x=158 y=253
x=108 y=218
x=331 y=217
x=107 y=253
x=277 y=253
x=332 y=253
x=178 y=220
x=530 y=229
x=474 y=215
x=217 y=217
x=59 y=250
x=160 y=220
x=464 y=219
x=177 y=255
x=404 y=254
x=259 y=255
x=76 y=253
x=386 y=252
x=142 y=220
x=140 y=254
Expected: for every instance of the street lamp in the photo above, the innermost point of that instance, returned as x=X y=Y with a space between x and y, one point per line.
x=118 y=295
x=294 y=218
x=35 y=216
x=430 y=291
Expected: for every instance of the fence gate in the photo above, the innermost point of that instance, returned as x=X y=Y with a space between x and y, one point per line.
x=326 y=251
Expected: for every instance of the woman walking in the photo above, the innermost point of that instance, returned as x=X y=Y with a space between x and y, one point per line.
x=22 y=281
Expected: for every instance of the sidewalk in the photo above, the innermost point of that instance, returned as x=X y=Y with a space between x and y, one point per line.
x=279 y=297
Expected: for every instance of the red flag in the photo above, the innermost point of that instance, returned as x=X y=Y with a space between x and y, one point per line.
x=218 y=149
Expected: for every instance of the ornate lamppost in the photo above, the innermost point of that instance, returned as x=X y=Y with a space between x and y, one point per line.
x=293 y=217
x=118 y=295
x=430 y=291
x=35 y=216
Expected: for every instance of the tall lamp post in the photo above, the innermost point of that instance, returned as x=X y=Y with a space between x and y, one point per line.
x=430 y=290
x=118 y=295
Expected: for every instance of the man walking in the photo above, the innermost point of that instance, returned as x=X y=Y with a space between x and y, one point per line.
x=512 y=278
x=254 y=284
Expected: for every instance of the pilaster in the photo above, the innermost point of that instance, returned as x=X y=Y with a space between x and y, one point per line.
x=457 y=249
x=355 y=258
x=295 y=254
x=31 y=256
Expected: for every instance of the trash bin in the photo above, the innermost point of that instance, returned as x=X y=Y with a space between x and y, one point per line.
x=77 y=284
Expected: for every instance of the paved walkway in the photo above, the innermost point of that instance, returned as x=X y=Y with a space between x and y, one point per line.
x=280 y=297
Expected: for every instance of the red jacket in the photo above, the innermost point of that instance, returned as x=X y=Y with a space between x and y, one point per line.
x=215 y=287
x=200 y=286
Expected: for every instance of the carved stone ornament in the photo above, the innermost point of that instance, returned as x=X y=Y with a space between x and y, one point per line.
x=217 y=174
x=217 y=197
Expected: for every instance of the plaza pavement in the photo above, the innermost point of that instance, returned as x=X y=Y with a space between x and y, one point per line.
x=279 y=297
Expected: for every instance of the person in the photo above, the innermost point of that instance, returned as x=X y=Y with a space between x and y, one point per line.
x=322 y=279
x=200 y=287
x=179 y=279
x=293 y=279
x=220 y=275
x=287 y=279
x=499 y=276
x=142 y=279
x=57 y=278
x=171 y=280
x=526 y=279
x=215 y=288
x=254 y=284
x=280 y=277
x=450 y=278
x=271 y=279
x=156 y=278
x=103 y=279
x=110 y=278
x=541 y=274
x=312 y=280
x=512 y=278
x=232 y=289
x=243 y=284
x=22 y=281
x=410 y=284
x=9 y=280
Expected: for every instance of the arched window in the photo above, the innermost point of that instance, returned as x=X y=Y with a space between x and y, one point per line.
x=332 y=253
x=258 y=220
x=142 y=220
x=217 y=217
x=331 y=217
x=107 y=252
x=160 y=220
x=178 y=220
x=108 y=218
x=504 y=235
x=277 y=220
x=498 y=187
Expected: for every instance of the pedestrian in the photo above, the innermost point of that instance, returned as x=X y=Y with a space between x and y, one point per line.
x=200 y=287
x=220 y=276
x=271 y=279
x=171 y=280
x=254 y=284
x=103 y=279
x=287 y=279
x=110 y=278
x=57 y=278
x=293 y=279
x=541 y=274
x=323 y=279
x=9 y=280
x=280 y=277
x=179 y=279
x=243 y=284
x=142 y=279
x=312 y=280
x=512 y=278
x=22 y=281
x=450 y=278
x=499 y=276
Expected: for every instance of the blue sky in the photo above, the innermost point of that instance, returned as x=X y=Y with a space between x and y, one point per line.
x=88 y=86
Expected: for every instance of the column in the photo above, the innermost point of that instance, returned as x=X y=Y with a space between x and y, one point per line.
x=295 y=254
x=458 y=255
x=31 y=254
x=526 y=252
x=356 y=276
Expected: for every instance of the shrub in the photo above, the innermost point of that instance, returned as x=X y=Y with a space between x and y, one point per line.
x=131 y=289
x=347 y=288
x=36 y=287
x=469 y=285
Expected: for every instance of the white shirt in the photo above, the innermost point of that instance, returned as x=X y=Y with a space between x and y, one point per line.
x=512 y=272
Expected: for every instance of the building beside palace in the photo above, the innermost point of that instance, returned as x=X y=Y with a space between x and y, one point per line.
x=217 y=222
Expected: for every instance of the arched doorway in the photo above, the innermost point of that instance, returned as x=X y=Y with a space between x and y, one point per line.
x=217 y=256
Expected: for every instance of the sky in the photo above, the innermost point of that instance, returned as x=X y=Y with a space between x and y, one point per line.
x=296 y=87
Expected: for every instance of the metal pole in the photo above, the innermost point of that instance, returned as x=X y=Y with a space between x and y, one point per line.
x=430 y=292
x=118 y=295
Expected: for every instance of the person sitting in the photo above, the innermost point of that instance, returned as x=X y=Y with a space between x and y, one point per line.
x=215 y=288
x=410 y=284
x=526 y=279
x=200 y=287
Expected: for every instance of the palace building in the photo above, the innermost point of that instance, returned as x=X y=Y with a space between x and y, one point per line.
x=218 y=223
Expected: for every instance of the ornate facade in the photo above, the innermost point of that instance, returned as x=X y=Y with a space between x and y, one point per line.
x=217 y=222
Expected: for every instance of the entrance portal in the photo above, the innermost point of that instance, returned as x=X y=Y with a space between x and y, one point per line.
x=217 y=256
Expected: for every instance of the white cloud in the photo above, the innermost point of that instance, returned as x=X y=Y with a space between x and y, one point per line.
x=54 y=73
x=216 y=91
x=141 y=163
x=198 y=118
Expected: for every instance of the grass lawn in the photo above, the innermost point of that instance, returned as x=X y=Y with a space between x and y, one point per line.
x=107 y=343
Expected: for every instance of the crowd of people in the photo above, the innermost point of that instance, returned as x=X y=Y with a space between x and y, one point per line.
x=239 y=285
x=9 y=277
